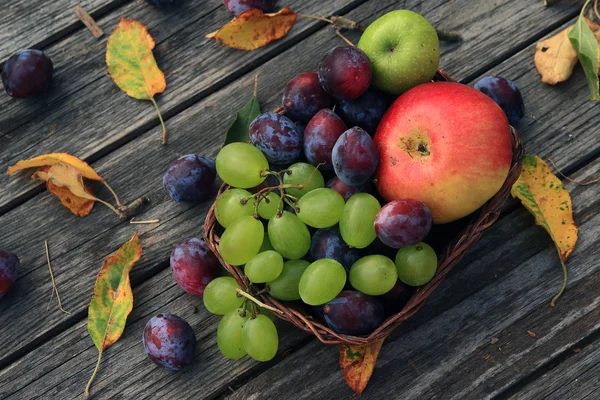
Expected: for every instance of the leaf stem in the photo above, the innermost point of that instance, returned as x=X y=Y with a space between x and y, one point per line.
x=162 y=123
x=113 y=193
x=255 y=84
x=89 y=385
x=256 y=301
x=571 y=179
x=564 y=284
x=315 y=17
x=54 y=288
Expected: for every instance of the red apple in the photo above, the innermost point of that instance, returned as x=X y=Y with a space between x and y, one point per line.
x=445 y=144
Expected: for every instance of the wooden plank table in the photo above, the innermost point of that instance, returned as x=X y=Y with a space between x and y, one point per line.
x=501 y=289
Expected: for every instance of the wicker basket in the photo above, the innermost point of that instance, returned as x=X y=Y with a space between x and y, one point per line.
x=449 y=256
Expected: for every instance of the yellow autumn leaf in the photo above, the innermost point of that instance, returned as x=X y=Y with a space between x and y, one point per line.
x=131 y=64
x=544 y=195
x=358 y=363
x=64 y=175
x=57 y=158
x=253 y=29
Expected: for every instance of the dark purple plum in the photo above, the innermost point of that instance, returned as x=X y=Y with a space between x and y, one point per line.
x=169 y=341
x=353 y=313
x=164 y=3
x=348 y=191
x=194 y=265
x=355 y=157
x=236 y=7
x=506 y=94
x=328 y=243
x=303 y=97
x=190 y=178
x=9 y=271
x=345 y=72
x=277 y=136
x=320 y=136
x=27 y=73
x=365 y=111
x=403 y=223
x=394 y=301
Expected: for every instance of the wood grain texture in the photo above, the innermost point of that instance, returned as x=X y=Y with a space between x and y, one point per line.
x=35 y=23
x=195 y=66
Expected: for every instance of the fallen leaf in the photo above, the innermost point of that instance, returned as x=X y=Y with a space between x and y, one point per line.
x=131 y=64
x=357 y=364
x=239 y=129
x=57 y=158
x=113 y=299
x=544 y=195
x=78 y=206
x=586 y=45
x=253 y=29
x=63 y=175
x=555 y=58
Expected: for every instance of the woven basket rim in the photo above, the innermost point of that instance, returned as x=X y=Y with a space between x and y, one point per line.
x=452 y=253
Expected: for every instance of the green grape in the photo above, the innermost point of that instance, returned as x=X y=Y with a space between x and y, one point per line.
x=229 y=333
x=267 y=208
x=374 y=275
x=321 y=208
x=322 y=281
x=264 y=267
x=220 y=296
x=260 y=339
x=358 y=217
x=241 y=164
x=229 y=207
x=286 y=286
x=241 y=240
x=416 y=264
x=300 y=174
x=266 y=244
x=289 y=236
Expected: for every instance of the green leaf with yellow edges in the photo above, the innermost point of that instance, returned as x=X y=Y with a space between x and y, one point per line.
x=544 y=195
x=131 y=64
x=113 y=299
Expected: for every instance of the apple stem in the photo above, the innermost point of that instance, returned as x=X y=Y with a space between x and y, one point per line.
x=344 y=38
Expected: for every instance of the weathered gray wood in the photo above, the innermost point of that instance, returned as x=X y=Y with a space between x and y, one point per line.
x=196 y=67
x=34 y=23
x=450 y=355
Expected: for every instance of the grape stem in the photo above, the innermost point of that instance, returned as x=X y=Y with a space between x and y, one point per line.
x=256 y=301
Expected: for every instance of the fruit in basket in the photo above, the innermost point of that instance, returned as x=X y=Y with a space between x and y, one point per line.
x=303 y=97
x=220 y=296
x=355 y=157
x=353 y=313
x=303 y=174
x=402 y=223
x=236 y=7
x=242 y=240
x=164 y=3
x=328 y=243
x=356 y=222
x=320 y=136
x=9 y=271
x=194 y=265
x=446 y=145
x=277 y=136
x=416 y=264
x=190 y=178
x=404 y=50
x=232 y=205
x=169 y=341
x=241 y=165
x=320 y=208
x=395 y=300
x=27 y=73
x=348 y=191
x=374 y=275
x=229 y=333
x=364 y=112
x=322 y=281
x=287 y=285
x=264 y=267
x=345 y=72
x=268 y=207
x=289 y=236
x=260 y=338
x=506 y=94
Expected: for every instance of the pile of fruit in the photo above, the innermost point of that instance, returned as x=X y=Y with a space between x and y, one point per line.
x=328 y=206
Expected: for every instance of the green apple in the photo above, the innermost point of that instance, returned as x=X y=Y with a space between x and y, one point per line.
x=404 y=49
